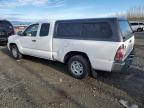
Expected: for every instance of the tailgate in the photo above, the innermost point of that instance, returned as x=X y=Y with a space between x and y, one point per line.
x=129 y=45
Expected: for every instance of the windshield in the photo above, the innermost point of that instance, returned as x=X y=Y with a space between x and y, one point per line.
x=125 y=29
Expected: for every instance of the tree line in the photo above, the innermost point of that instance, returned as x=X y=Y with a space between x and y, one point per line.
x=133 y=13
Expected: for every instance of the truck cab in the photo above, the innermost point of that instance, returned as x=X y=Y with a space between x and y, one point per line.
x=36 y=40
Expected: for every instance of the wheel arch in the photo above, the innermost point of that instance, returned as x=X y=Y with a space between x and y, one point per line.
x=19 y=48
x=73 y=53
x=11 y=44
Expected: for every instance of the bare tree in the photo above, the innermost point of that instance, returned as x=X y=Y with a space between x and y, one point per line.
x=133 y=13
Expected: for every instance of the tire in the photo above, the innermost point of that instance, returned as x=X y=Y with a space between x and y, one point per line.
x=139 y=30
x=15 y=52
x=78 y=67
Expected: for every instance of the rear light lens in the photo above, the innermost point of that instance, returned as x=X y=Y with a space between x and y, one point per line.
x=120 y=53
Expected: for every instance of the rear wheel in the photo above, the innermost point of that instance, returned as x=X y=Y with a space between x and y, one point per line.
x=79 y=67
x=15 y=52
x=139 y=30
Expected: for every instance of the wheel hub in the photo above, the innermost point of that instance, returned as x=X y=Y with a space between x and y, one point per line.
x=77 y=68
x=14 y=52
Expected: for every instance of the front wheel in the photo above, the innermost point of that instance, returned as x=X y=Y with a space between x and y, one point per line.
x=15 y=52
x=79 y=67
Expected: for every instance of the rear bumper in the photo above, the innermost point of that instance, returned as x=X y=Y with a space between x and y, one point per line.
x=119 y=66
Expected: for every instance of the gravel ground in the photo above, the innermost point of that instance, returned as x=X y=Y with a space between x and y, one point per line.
x=37 y=83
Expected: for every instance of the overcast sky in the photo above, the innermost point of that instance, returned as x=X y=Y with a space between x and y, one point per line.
x=31 y=10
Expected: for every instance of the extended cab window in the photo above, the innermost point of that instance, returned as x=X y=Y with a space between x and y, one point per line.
x=44 y=31
x=31 y=30
x=125 y=29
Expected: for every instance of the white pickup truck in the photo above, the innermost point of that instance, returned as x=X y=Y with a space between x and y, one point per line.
x=83 y=44
x=137 y=26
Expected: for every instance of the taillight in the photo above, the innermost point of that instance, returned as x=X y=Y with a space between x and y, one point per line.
x=120 y=53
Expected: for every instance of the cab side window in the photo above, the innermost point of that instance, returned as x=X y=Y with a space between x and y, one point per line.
x=44 y=31
x=31 y=30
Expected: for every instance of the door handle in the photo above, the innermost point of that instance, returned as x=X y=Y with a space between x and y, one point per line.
x=33 y=40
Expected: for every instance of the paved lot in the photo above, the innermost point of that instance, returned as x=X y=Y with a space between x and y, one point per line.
x=37 y=83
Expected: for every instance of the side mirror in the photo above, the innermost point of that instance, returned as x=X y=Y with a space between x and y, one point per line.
x=20 y=33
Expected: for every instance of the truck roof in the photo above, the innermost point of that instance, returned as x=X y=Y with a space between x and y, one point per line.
x=136 y=21
x=84 y=19
x=109 y=18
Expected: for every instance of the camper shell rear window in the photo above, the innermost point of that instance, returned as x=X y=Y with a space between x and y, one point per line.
x=126 y=30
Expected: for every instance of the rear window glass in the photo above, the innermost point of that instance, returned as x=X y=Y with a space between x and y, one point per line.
x=6 y=26
x=100 y=30
x=125 y=29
